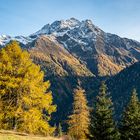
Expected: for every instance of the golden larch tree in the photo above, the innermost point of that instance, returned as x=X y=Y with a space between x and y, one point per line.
x=79 y=119
x=26 y=103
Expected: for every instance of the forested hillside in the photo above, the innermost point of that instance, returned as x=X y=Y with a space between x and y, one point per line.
x=121 y=85
x=72 y=52
x=27 y=104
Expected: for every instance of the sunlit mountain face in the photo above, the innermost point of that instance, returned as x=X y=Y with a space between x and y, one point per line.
x=71 y=50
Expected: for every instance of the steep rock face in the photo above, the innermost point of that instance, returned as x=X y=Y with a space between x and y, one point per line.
x=56 y=59
x=104 y=54
x=93 y=46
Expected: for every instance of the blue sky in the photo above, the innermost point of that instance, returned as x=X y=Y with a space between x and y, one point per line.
x=23 y=17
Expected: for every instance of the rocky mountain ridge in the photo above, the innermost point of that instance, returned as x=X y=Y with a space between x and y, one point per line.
x=104 y=54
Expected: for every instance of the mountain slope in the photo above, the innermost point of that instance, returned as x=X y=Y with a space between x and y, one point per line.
x=104 y=54
x=61 y=68
x=93 y=46
x=121 y=85
x=57 y=59
x=72 y=51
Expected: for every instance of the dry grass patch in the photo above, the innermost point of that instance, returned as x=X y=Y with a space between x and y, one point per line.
x=11 y=135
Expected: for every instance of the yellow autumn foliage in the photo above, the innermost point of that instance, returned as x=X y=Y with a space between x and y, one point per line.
x=26 y=103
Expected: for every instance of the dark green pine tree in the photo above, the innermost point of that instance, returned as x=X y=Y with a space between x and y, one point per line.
x=102 y=124
x=60 y=131
x=130 y=124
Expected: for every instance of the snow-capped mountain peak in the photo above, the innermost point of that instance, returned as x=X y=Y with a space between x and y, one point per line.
x=44 y=30
x=61 y=27
x=4 y=39
x=4 y=36
x=58 y=26
x=83 y=32
x=73 y=33
x=62 y=24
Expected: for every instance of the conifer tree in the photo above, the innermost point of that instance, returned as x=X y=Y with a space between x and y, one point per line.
x=60 y=132
x=102 y=123
x=24 y=95
x=130 y=125
x=79 y=119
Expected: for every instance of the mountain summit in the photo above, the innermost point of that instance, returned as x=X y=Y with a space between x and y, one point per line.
x=103 y=53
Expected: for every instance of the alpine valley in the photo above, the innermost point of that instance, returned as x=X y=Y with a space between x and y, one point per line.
x=72 y=51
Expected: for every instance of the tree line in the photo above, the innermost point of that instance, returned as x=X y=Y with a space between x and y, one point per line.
x=98 y=123
x=26 y=104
